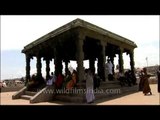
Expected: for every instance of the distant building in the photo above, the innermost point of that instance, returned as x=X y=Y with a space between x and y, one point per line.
x=152 y=69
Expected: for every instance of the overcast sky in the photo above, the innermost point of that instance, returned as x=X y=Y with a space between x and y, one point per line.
x=18 y=31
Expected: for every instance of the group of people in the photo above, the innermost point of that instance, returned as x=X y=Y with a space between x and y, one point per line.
x=68 y=81
x=35 y=82
x=126 y=78
x=92 y=80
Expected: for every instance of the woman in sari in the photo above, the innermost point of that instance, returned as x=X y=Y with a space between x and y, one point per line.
x=89 y=86
x=71 y=84
x=59 y=81
x=146 y=87
x=141 y=82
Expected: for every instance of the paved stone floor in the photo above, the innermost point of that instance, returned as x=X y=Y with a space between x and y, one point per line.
x=132 y=99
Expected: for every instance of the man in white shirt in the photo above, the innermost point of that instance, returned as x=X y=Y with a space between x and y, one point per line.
x=109 y=67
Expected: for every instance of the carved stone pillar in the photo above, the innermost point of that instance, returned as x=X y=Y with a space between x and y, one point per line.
x=60 y=66
x=112 y=61
x=47 y=68
x=66 y=66
x=57 y=62
x=27 y=68
x=131 y=54
x=39 y=66
x=121 y=60
x=101 y=62
x=91 y=64
x=80 y=57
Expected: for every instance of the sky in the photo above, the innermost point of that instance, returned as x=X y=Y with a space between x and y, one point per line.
x=19 y=30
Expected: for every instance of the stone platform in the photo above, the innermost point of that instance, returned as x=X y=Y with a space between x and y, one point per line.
x=109 y=89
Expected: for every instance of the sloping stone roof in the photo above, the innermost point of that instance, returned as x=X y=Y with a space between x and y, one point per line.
x=78 y=23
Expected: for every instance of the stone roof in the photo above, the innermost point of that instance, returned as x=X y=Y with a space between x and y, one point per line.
x=78 y=23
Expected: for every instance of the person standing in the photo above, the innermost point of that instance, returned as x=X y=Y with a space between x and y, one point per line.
x=146 y=87
x=141 y=82
x=89 y=86
x=52 y=79
x=109 y=67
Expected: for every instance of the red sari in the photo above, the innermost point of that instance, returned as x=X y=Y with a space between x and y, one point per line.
x=59 y=81
x=72 y=82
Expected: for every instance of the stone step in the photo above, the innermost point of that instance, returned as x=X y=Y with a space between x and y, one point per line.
x=30 y=93
x=81 y=98
x=26 y=97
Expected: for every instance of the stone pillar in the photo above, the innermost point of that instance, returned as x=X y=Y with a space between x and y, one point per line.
x=57 y=62
x=99 y=66
x=101 y=62
x=121 y=60
x=27 y=68
x=80 y=57
x=112 y=61
x=131 y=54
x=47 y=68
x=66 y=66
x=91 y=64
x=60 y=66
x=39 y=66
x=134 y=80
